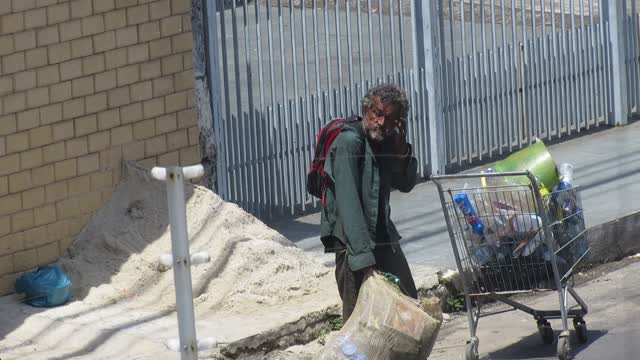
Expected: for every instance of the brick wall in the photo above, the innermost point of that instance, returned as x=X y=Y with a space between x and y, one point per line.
x=84 y=85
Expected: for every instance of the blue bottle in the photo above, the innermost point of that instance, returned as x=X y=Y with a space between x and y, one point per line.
x=469 y=212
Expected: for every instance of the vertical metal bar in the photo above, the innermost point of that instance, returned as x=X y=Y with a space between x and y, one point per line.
x=478 y=87
x=246 y=162
x=272 y=80
x=401 y=26
x=486 y=123
x=216 y=97
x=494 y=82
x=393 y=42
x=227 y=102
x=371 y=58
x=349 y=42
x=572 y=71
x=503 y=79
x=470 y=93
x=270 y=163
x=462 y=110
x=383 y=59
x=313 y=129
x=554 y=75
x=293 y=51
x=608 y=69
x=263 y=179
x=284 y=114
x=600 y=113
x=533 y=73
x=306 y=117
x=341 y=94
x=523 y=124
x=249 y=70
x=582 y=73
x=563 y=73
x=426 y=146
x=291 y=150
x=467 y=128
x=236 y=63
x=592 y=68
x=360 y=48
x=327 y=52
x=513 y=97
x=258 y=176
x=515 y=119
x=260 y=64
x=525 y=70
x=546 y=78
x=316 y=49
x=281 y=133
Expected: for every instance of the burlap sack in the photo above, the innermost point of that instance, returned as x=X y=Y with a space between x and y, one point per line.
x=385 y=325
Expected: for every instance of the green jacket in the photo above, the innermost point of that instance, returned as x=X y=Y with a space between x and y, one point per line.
x=350 y=215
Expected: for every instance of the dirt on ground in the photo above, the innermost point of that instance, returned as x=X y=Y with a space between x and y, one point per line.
x=115 y=257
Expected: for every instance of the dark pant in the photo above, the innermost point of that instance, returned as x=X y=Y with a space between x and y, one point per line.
x=387 y=260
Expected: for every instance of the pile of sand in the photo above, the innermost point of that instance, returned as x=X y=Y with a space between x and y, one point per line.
x=115 y=257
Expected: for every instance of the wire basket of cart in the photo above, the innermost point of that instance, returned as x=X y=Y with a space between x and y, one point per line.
x=510 y=236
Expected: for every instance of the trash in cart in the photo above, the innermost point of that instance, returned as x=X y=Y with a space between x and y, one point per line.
x=518 y=227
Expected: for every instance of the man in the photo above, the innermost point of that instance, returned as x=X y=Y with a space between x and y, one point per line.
x=364 y=162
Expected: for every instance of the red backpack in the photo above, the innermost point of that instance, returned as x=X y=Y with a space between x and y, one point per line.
x=317 y=179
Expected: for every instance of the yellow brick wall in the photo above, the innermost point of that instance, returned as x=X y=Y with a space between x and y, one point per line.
x=84 y=85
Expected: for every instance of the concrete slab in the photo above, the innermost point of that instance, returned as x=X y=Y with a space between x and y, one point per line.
x=613 y=325
x=117 y=331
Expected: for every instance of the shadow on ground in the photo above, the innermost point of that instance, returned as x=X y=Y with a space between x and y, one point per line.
x=531 y=347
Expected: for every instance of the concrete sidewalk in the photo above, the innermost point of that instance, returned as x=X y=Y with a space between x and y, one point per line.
x=613 y=325
x=607 y=166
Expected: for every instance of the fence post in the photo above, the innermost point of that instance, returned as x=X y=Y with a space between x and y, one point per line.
x=213 y=72
x=615 y=15
x=426 y=56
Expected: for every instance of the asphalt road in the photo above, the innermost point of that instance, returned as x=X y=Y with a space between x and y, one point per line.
x=613 y=325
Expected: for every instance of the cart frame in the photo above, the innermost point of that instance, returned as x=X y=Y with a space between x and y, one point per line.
x=561 y=284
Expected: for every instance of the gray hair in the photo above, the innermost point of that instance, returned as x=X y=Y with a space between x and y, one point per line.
x=388 y=94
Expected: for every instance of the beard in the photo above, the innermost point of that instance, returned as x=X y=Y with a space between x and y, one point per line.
x=378 y=135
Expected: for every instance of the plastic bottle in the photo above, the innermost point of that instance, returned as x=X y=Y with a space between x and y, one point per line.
x=469 y=212
x=498 y=230
x=482 y=255
x=565 y=171
x=524 y=225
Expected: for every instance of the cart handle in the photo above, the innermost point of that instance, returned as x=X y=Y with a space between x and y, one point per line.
x=438 y=178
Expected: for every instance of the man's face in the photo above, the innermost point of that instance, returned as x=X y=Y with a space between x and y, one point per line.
x=380 y=120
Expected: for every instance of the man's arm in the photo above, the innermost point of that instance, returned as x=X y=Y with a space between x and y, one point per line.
x=404 y=172
x=346 y=174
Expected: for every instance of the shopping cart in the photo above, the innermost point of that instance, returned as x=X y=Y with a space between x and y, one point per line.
x=509 y=239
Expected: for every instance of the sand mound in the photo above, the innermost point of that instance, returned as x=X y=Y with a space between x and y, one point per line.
x=115 y=257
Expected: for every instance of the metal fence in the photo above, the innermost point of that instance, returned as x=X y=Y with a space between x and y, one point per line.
x=485 y=78
x=285 y=71
x=517 y=70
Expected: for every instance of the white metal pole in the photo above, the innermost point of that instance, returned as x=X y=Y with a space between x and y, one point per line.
x=174 y=177
x=182 y=263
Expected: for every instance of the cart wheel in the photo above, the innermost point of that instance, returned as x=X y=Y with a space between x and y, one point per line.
x=546 y=332
x=581 y=329
x=563 y=348
x=471 y=351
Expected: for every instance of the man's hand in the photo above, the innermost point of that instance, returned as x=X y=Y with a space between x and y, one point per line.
x=400 y=138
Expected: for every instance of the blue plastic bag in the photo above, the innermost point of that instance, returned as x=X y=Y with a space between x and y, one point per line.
x=46 y=287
